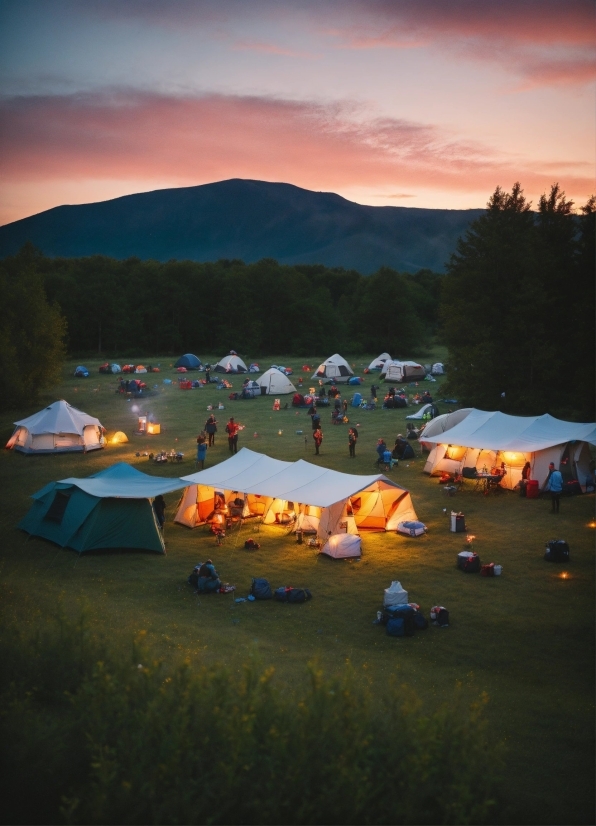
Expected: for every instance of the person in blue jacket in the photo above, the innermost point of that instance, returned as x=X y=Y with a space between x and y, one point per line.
x=554 y=484
x=208 y=580
x=381 y=448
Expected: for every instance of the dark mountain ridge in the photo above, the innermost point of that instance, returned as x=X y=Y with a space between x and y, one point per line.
x=247 y=220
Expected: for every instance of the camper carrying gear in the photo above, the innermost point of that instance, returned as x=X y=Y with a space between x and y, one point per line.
x=557 y=550
x=395 y=595
x=468 y=562
x=260 y=589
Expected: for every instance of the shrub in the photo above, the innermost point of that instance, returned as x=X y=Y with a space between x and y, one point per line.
x=99 y=736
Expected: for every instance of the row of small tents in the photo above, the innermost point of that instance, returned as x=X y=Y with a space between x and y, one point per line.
x=232 y=363
x=402 y=371
x=112 y=508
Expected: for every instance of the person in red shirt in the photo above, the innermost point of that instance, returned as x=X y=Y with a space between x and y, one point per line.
x=232 y=430
x=318 y=437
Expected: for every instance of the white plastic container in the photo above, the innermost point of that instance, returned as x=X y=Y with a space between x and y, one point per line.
x=395 y=595
x=498 y=569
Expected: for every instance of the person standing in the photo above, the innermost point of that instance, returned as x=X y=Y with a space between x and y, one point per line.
x=208 y=373
x=159 y=506
x=211 y=429
x=232 y=430
x=318 y=438
x=352 y=439
x=373 y=391
x=554 y=484
x=201 y=450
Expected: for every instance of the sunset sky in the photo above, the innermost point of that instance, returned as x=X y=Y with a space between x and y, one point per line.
x=426 y=103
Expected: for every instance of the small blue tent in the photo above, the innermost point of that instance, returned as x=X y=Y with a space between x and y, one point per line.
x=189 y=361
x=109 y=509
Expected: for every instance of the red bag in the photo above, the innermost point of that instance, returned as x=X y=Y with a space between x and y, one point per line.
x=488 y=570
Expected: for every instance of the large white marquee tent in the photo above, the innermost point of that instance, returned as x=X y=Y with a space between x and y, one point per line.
x=59 y=428
x=485 y=439
x=320 y=499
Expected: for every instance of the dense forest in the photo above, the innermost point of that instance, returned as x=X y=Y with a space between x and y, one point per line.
x=515 y=309
x=116 y=308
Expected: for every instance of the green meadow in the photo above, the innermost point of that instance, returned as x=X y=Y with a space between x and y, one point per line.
x=526 y=639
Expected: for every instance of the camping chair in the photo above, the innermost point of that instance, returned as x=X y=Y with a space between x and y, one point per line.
x=471 y=474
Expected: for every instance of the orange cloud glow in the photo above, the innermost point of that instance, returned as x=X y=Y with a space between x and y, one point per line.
x=191 y=140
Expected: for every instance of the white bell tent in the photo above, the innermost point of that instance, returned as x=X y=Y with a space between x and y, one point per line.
x=275 y=383
x=487 y=439
x=59 y=428
x=308 y=496
x=335 y=368
x=378 y=363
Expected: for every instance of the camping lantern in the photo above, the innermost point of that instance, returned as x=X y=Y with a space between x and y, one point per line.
x=153 y=428
x=280 y=433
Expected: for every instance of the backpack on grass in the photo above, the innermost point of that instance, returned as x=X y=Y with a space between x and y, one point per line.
x=557 y=550
x=260 y=589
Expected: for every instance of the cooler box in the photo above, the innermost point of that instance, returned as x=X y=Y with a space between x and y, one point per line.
x=458 y=522
x=532 y=489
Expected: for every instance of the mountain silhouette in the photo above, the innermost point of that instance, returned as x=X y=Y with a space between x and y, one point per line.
x=246 y=220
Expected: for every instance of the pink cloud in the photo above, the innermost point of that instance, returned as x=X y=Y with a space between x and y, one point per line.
x=191 y=140
x=268 y=48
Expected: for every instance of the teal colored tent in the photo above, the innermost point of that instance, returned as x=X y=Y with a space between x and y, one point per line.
x=110 y=509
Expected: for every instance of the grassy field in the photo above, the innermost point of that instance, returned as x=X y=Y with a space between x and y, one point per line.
x=526 y=638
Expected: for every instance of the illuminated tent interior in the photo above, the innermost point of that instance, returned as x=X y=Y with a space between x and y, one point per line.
x=486 y=439
x=298 y=494
x=59 y=428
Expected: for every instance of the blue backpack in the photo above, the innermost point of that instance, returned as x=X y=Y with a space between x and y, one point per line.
x=260 y=589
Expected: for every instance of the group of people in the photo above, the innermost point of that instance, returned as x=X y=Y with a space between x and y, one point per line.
x=206 y=438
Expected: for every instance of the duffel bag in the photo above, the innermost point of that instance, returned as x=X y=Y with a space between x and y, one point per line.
x=294 y=595
x=396 y=627
x=439 y=616
x=405 y=612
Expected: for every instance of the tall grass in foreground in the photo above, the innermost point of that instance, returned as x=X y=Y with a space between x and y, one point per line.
x=93 y=735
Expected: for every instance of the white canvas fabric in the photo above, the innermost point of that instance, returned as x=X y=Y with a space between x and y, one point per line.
x=395 y=595
x=58 y=428
x=442 y=423
x=275 y=383
x=425 y=408
x=335 y=367
x=377 y=364
x=124 y=482
x=483 y=439
x=231 y=364
x=307 y=490
x=342 y=546
x=402 y=371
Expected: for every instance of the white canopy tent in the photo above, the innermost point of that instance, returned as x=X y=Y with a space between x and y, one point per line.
x=320 y=499
x=275 y=383
x=335 y=368
x=377 y=364
x=440 y=424
x=486 y=439
x=59 y=428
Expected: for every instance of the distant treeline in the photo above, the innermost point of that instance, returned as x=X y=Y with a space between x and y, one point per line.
x=117 y=307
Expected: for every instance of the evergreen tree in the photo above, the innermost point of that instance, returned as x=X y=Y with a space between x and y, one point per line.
x=32 y=333
x=504 y=306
